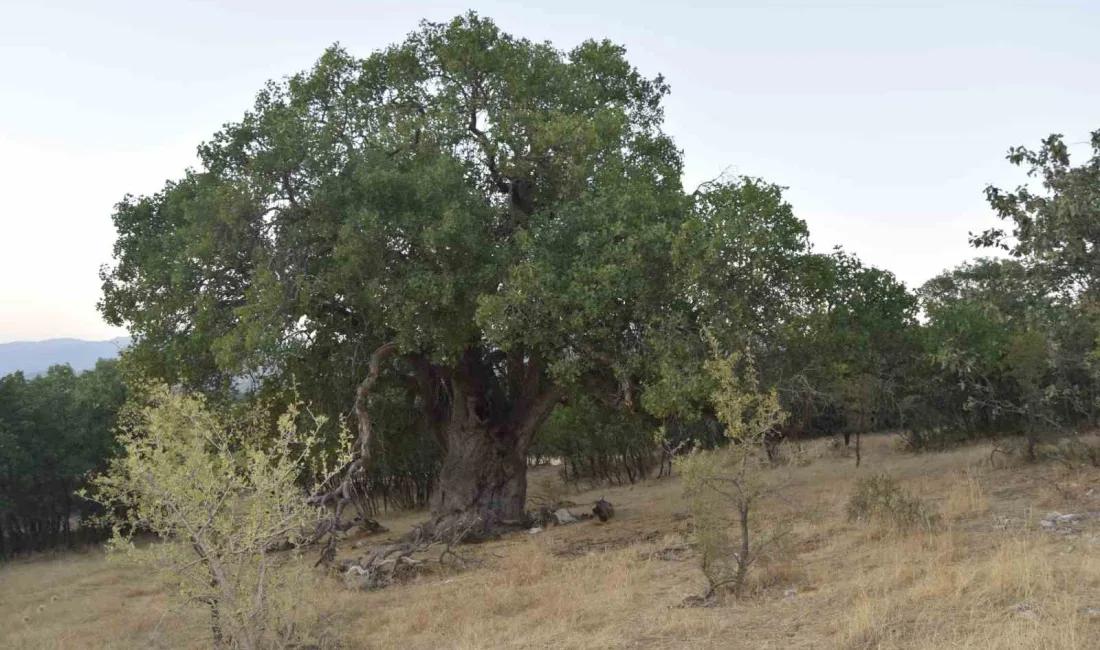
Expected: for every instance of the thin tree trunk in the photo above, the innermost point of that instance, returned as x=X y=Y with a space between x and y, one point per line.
x=5 y=534
x=743 y=559
x=1031 y=439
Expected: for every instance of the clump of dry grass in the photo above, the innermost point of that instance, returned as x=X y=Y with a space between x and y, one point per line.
x=879 y=497
x=966 y=498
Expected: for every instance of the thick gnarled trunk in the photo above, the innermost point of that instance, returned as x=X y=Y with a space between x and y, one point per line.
x=484 y=412
x=483 y=482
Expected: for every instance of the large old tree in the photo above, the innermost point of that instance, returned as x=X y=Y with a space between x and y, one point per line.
x=476 y=223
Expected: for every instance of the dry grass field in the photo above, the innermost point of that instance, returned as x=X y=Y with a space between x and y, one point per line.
x=989 y=579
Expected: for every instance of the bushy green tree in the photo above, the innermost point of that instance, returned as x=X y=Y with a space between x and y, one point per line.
x=842 y=362
x=489 y=221
x=1054 y=226
x=1005 y=356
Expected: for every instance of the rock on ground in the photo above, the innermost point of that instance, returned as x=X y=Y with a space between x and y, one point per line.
x=563 y=516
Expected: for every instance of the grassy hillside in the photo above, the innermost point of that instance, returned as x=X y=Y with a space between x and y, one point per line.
x=990 y=579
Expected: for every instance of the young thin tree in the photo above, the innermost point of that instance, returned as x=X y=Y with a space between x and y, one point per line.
x=734 y=475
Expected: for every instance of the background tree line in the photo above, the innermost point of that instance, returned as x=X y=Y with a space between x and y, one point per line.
x=995 y=347
x=56 y=430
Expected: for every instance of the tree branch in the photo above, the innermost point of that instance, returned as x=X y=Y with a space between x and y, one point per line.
x=341 y=493
x=536 y=414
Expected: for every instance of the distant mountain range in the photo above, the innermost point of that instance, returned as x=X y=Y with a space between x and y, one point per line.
x=35 y=357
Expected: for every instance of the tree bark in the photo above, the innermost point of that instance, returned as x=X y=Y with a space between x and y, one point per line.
x=483 y=481
x=743 y=560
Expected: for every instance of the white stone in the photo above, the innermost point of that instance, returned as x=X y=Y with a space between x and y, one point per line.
x=1025 y=610
x=563 y=516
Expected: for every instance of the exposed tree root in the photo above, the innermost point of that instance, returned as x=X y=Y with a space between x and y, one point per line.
x=392 y=563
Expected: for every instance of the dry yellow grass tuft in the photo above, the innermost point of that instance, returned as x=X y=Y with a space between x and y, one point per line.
x=988 y=578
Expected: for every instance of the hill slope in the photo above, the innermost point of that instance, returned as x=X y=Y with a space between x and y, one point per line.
x=988 y=578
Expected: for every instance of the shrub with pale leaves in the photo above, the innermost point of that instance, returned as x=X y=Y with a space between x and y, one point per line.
x=223 y=497
x=736 y=477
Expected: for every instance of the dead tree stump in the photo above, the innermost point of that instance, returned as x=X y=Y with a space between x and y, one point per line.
x=603 y=510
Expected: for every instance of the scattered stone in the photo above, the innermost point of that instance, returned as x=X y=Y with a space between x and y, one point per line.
x=790 y=593
x=563 y=516
x=697 y=601
x=535 y=531
x=1091 y=612
x=1057 y=523
x=1025 y=610
x=603 y=510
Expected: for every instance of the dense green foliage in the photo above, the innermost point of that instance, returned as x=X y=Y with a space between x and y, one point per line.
x=1010 y=345
x=598 y=444
x=1056 y=226
x=55 y=430
x=510 y=216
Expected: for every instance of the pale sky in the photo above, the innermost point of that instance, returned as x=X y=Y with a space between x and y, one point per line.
x=885 y=119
